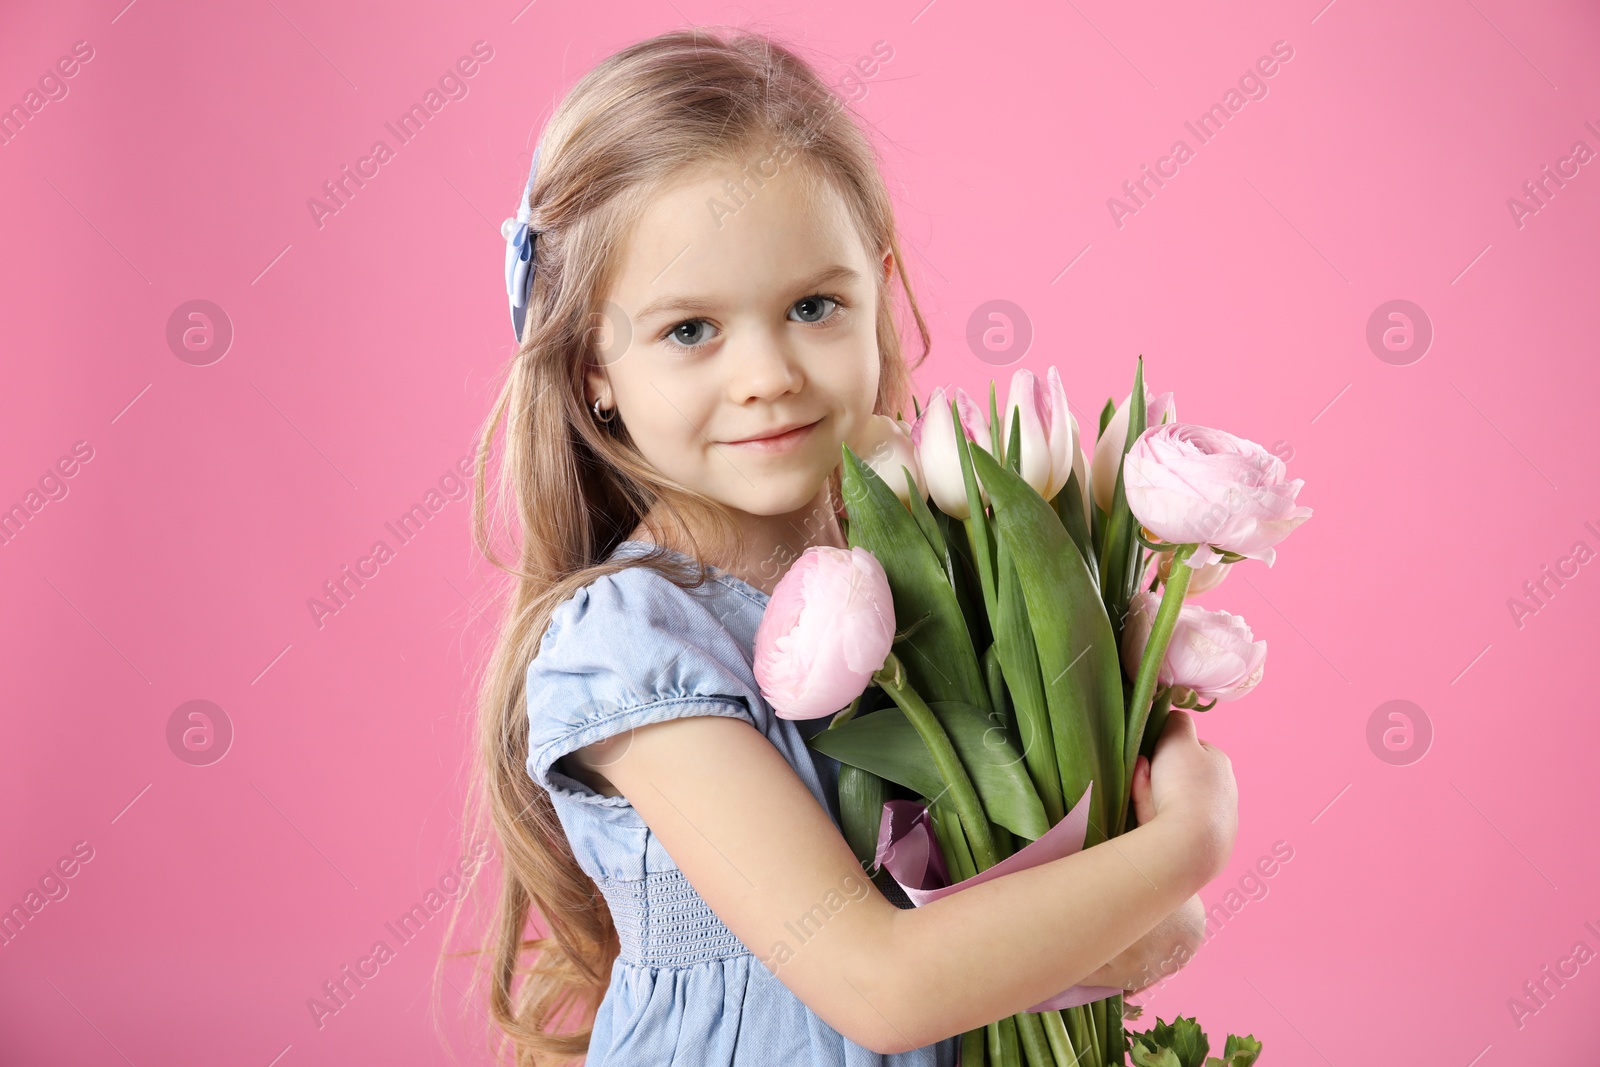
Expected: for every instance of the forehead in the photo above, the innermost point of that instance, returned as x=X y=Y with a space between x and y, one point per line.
x=714 y=233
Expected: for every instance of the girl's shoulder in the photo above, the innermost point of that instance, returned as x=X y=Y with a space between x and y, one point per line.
x=634 y=647
x=624 y=618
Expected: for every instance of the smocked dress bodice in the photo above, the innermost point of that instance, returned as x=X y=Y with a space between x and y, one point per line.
x=629 y=649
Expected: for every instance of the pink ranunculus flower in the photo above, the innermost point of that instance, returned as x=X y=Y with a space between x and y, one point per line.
x=1108 y=449
x=1211 y=652
x=885 y=445
x=1202 y=580
x=1048 y=430
x=1190 y=484
x=934 y=437
x=828 y=628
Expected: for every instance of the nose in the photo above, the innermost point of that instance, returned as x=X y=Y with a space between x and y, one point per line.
x=764 y=369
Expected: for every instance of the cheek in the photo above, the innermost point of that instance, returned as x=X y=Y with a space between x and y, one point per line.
x=869 y=366
x=670 y=428
x=855 y=382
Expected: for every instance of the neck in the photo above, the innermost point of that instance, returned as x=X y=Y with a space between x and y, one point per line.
x=772 y=542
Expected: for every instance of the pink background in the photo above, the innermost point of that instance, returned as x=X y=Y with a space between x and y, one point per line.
x=178 y=565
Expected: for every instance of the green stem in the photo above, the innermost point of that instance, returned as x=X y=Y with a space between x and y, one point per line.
x=1139 y=564
x=1116 y=1036
x=1055 y=1031
x=1009 y=1054
x=1008 y=1042
x=1152 y=731
x=963 y=796
x=1036 y=1050
x=1155 y=653
x=964 y=865
x=952 y=842
x=1158 y=721
x=1082 y=1034
x=974 y=1048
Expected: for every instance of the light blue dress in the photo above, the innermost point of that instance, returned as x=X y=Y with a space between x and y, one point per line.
x=633 y=648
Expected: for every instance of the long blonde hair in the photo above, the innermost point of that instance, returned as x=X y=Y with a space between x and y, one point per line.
x=576 y=487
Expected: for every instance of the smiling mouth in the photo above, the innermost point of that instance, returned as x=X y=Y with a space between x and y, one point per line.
x=777 y=442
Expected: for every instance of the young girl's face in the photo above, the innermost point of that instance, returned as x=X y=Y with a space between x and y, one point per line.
x=745 y=320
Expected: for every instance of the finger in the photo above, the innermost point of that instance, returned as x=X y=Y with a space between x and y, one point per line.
x=1179 y=728
x=1144 y=808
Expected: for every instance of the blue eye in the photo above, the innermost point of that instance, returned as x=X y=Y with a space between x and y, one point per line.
x=818 y=309
x=691 y=325
x=815 y=301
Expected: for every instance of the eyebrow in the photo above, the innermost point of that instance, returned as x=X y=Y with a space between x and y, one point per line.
x=691 y=304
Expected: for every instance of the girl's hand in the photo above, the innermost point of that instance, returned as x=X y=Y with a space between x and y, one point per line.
x=1192 y=773
x=1190 y=783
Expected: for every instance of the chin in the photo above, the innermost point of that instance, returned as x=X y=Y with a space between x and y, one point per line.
x=779 y=496
x=770 y=506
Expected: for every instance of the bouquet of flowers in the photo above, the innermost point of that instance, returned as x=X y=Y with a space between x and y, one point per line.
x=1042 y=639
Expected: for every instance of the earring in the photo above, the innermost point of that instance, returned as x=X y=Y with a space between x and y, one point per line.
x=600 y=417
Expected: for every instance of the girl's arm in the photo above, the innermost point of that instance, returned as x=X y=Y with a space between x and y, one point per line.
x=755 y=844
x=1167 y=948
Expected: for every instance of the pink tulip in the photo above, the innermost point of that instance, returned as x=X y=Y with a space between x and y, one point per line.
x=1048 y=430
x=1190 y=484
x=828 y=628
x=885 y=445
x=1211 y=652
x=934 y=437
x=1108 y=449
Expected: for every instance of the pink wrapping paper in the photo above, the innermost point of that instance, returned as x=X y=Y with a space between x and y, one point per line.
x=908 y=850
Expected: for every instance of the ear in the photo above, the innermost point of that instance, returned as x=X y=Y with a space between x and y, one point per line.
x=596 y=385
x=888 y=265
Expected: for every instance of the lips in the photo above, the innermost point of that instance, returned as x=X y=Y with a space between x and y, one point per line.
x=775 y=433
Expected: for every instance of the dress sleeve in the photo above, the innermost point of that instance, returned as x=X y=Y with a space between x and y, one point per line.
x=628 y=649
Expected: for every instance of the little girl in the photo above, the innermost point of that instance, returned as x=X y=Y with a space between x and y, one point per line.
x=703 y=298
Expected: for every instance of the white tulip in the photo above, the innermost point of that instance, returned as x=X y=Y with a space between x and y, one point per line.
x=1109 y=448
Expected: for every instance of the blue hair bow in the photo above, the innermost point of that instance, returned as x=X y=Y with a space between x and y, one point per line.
x=521 y=260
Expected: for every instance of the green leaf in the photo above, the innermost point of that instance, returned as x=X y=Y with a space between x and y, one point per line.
x=886 y=744
x=977 y=521
x=1189 y=1042
x=994 y=677
x=994 y=423
x=1014 y=445
x=1069 y=509
x=1106 y=414
x=1182 y=1037
x=1076 y=649
x=861 y=798
x=940 y=660
x=963 y=575
x=1144 y=1055
x=925 y=521
x=1117 y=560
x=1019 y=661
x=1241 y=1051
